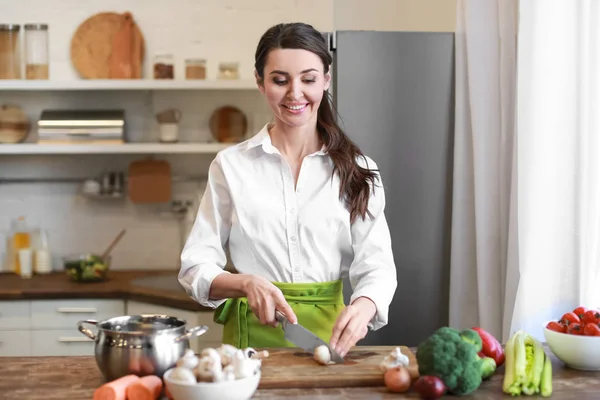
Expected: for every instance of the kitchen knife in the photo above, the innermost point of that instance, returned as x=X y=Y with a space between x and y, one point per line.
x=304 y=338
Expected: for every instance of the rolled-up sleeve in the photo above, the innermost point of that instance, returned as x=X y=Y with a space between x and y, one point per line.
x=203 y=256
x=372 y=273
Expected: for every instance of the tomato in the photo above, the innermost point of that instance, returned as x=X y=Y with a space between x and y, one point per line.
x=569 y=319
x=591 y=317
x=556 y=327
x=579 y=311
x=591 y=330
x=575 y=329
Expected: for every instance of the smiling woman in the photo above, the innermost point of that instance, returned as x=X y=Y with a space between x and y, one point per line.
x=299 y=206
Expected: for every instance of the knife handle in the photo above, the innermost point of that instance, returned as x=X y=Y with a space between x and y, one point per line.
x=280 y=317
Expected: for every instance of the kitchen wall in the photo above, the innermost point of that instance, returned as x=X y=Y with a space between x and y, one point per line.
x=218 y=30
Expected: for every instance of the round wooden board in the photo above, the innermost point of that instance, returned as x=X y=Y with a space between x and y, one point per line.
x=91 y=45
x=228 y=124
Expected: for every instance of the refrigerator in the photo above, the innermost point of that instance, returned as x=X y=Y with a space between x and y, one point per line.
x=394 y=93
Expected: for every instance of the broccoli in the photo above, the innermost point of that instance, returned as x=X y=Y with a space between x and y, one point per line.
x=451 y=355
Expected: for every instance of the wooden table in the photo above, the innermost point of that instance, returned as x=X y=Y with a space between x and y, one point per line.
x=74 y=378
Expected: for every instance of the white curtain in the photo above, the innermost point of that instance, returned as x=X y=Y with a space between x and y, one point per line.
x=484 y=267
x=559 y=160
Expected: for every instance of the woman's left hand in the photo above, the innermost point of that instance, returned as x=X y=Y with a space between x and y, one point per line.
x=352 y=325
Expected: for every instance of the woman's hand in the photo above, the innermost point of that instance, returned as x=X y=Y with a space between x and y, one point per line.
x=264 y=299
x=352 y=325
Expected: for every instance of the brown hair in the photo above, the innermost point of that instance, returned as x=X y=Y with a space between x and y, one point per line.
x=354 y=179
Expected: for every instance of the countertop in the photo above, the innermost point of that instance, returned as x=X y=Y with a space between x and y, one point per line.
x=74 y=378
x=152 y=286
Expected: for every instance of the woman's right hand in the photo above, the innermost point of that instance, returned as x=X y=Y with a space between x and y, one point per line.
x=264 y=299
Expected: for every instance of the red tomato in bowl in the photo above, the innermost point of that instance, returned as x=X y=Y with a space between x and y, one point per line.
x=591 y=329
x=579 y=311
x=575 y=329
x=570 y=318
x=591 y=317
x=556 y=327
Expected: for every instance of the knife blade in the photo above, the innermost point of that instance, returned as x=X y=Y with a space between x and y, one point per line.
x=304 y=338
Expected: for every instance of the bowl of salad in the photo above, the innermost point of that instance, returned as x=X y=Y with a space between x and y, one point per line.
x=86 y=267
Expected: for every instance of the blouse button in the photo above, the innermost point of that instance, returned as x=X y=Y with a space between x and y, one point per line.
x=293 y=238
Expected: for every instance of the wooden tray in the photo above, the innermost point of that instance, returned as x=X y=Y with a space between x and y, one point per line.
x=92 y=45
x=293 y=368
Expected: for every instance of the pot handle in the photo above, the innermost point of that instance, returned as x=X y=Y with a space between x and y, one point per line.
x=86 y=331
x=195 y=331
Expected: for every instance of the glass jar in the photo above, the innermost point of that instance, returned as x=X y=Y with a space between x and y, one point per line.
x=229 y=70
x=164 y=67
x=36 y=51
x=195 y=68
x=10 y=56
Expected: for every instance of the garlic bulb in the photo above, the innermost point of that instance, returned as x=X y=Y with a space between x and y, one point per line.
x=323 y=355
x=189 y=360
x=182 y=374
x=394 y=359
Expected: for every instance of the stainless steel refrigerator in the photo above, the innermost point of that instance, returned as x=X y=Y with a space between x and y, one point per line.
x=394 y=94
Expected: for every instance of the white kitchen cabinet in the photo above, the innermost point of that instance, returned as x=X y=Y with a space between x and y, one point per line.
x=15 y=343
x=212 y=338
x=61 y=342
x=64 y=314
x=49 y=327
x=15 y=315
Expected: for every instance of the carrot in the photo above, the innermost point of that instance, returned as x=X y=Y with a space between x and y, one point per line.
x=115 y=389
x=147 y=388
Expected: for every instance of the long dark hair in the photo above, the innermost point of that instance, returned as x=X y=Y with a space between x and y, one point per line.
x=354 y=179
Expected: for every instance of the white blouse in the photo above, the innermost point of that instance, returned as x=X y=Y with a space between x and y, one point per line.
x=286 y=234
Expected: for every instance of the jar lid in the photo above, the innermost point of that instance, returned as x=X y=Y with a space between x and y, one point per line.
x=195 y=60
x=38 y=27
x=10 y=27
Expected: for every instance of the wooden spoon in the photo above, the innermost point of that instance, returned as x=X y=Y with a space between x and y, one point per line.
x=113 y=244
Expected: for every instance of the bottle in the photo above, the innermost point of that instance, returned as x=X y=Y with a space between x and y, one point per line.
x=21 y=240
x=42 y=257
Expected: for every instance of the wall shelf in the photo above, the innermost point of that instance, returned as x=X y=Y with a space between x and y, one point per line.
x=125 y=84
x=127 y=148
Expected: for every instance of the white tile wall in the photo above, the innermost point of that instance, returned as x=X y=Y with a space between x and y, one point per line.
x=217 y=30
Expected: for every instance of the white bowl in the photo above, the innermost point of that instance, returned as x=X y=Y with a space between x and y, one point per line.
x=577 y=352
x=239 y=389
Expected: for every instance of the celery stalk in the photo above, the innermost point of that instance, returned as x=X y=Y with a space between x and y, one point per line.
x=508 y=385
x=546 y=379
x=520 y=358
x=535 y=364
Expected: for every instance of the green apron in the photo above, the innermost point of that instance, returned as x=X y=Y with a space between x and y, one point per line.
x=316 y=305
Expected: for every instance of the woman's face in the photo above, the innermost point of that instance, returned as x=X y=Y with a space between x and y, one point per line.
x=294 y=82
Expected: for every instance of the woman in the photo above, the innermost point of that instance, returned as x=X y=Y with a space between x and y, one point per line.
x=299 y=206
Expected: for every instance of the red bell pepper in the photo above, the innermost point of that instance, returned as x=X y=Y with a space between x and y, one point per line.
x=491 y=347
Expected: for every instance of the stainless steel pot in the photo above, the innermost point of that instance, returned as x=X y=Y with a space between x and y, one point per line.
x=146 y=344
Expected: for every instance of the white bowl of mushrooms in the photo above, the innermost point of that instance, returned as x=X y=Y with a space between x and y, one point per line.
x=224 y=373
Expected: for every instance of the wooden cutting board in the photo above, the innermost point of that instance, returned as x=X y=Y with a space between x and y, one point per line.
x=294 y=368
